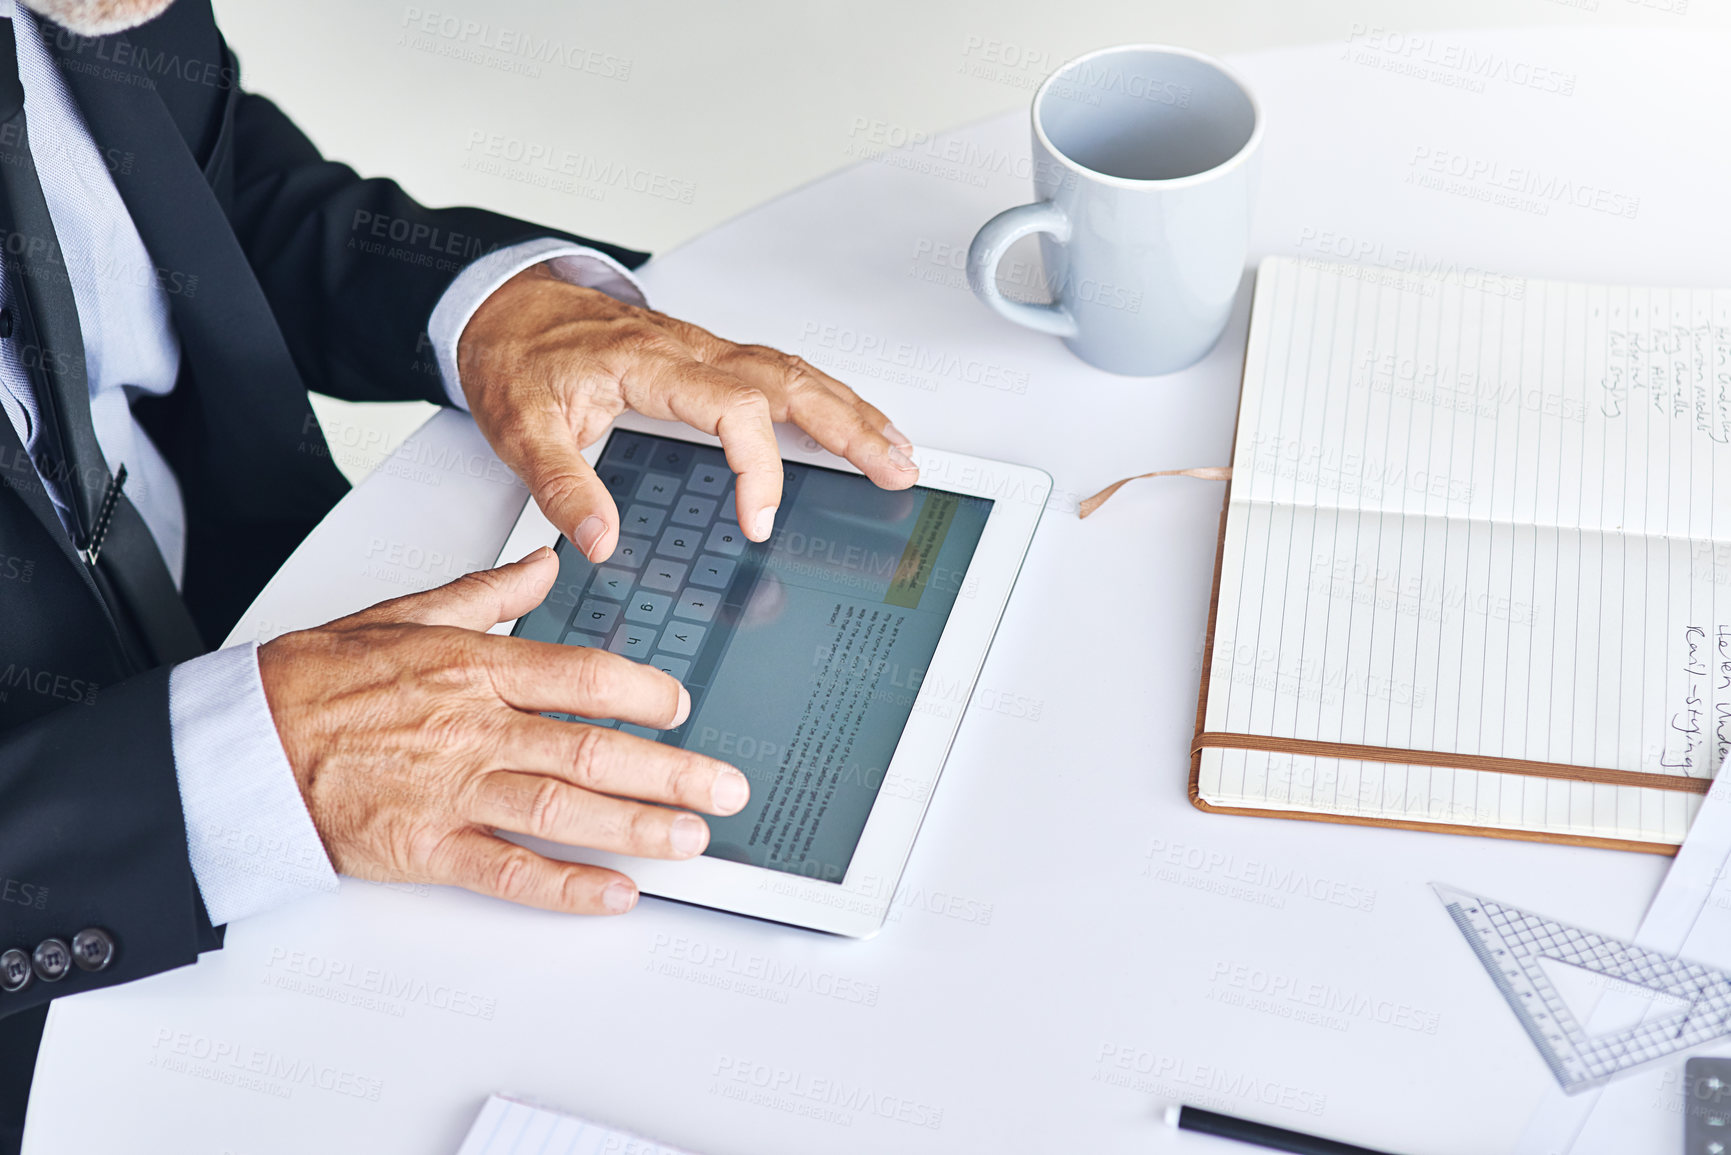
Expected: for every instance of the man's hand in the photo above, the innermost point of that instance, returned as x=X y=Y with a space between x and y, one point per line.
x=546 y=366
x=414 y=736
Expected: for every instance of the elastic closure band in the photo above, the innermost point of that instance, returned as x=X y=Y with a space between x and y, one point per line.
x=1307 y=747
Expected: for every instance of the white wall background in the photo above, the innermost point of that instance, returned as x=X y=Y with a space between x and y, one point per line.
x=709 y=107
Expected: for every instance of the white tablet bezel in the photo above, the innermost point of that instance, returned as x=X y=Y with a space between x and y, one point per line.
x=858 y=905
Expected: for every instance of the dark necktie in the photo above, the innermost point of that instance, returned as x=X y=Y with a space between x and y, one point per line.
x=109 y=533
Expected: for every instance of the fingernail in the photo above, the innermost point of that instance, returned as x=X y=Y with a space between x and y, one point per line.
x=690 y=834
x=899 y=458
x=684 y=710
x=764 y=525
x=730 y=792
x=619 y=897
x=589 y=535
x=897 y=437
x=541 y=554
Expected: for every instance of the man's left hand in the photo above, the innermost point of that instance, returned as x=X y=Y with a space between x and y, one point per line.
x=547 y=365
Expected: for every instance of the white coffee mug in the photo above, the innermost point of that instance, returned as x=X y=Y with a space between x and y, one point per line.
x=1145 y=164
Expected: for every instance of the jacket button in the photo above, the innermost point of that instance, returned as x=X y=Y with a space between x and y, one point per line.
x=93 y=949
x=53 y=958
x=5 y=323
x=15 y=972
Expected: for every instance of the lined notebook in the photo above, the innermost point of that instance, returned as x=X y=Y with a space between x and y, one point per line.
x=1475 y=562
x=512 y=1127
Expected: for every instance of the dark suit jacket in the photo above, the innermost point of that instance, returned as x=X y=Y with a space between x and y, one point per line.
x=286 y=272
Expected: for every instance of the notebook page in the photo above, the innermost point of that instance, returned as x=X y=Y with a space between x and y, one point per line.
x=511 y=1127
x=1490 y=518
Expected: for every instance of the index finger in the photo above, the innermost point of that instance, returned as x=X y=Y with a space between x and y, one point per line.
x=537 y=676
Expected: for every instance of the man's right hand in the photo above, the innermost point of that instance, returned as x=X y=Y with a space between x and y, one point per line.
x=414 y=735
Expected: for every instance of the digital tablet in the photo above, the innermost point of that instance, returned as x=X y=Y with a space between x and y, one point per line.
x=831 y=664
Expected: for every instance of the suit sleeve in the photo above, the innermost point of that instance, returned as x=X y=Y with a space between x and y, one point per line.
x=353 y=268
x=68 y=862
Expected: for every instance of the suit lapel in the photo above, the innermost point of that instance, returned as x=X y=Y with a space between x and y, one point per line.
x=250 y=400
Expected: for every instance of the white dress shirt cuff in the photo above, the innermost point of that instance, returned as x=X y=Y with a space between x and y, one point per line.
x=248 y=834
x=578 y=264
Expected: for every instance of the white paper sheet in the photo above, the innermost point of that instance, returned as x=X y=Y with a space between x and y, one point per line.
x=1690 y=917
x=512 y=1127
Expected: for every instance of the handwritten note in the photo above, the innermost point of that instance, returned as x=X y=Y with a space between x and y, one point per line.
x=1482 y=523
x=1683 y=370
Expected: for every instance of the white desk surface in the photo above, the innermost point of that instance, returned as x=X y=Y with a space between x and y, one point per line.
x=1074 y=946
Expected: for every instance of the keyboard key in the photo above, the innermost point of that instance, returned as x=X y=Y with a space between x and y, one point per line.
x=612 y=584
x=672 y=667
x=604 y=723
x=697 y=604
x=666 y=576
x=672 y=457
x=660 y=488
x=620 y=482
x=683 y=638
x=635 y=642
x=643 y=519
x=713 y=572
x=708 y=479
x=728 y=510
x=581 y=638
x=595 y=616
x=629 y=449
x=679 y=543
x=631 y=552
x=698 y=511
x=647 y=608
x=725 y=539
x=639 y=731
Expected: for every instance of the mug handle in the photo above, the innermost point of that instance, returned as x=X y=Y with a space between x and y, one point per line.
x=993 y=241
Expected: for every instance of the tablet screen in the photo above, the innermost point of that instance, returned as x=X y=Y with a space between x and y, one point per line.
x=803 y=654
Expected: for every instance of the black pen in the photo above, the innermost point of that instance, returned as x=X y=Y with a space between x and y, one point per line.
x=1261 y=1134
